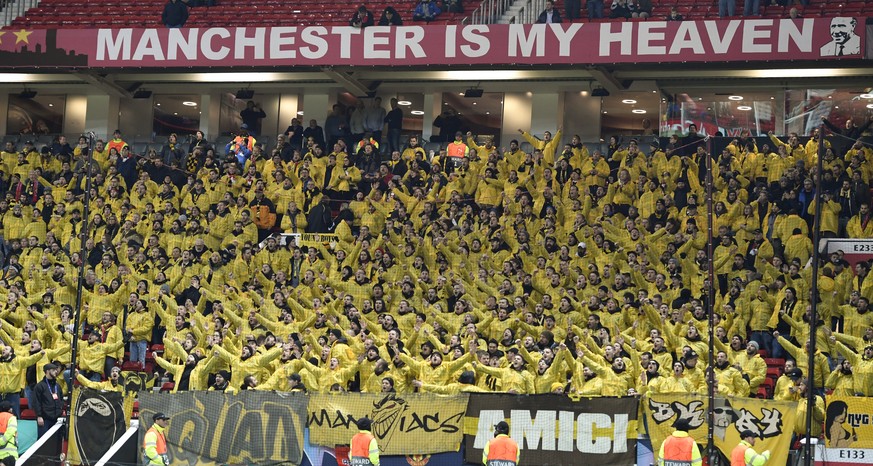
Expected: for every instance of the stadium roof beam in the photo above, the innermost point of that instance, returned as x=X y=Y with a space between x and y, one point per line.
x=347 y=81
x=607 y=79
x=106 y=85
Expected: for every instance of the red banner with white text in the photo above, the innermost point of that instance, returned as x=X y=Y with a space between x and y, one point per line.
x=762 y=39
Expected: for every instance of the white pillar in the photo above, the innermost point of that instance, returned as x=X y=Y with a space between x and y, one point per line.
x=579 y=108
x=203 y=107
x=211 y=116
x=4 y=104
x=288 y=107
x=516 y=115
x=544 y=113
x=431 y=107
x=75 y=113
x=101 y=115
x=315 y=105
x=779 y=112
x=270 y=124
x=136 y=120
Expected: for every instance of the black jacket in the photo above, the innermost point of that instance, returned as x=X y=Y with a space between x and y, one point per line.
x=852 y=133
x=44 y=403
x=320 y=219
x=296 y=140
x=361 y=19
x=175 y=153
x=61 y=149
x=175 y=13
x=556 y=16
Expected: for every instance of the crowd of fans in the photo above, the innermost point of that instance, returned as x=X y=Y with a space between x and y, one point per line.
x=562 y=270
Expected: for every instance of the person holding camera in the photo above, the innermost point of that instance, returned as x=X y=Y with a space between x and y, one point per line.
x=198 y=140
x=361 y=18
x=252 y=116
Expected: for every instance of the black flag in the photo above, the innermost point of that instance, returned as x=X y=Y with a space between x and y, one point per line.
x=98 y=422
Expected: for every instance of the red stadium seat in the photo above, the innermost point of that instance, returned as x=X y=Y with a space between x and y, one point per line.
x=775 y=362
x=767 y=385
x=146 y=13
x=130 y=366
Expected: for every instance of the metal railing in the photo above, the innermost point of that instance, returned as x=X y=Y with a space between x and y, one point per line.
x=489 y=12
x=13 y=9
x=529 y=12
x=493 y=12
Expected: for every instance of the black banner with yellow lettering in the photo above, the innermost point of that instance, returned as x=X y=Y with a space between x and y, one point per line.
x=218 y=428
x=554 y=430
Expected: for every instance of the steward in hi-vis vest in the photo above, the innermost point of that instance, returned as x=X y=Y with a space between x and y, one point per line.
x=154 y=446
x=680 y=449
x=501 y=450
x=364 y=449
x=744 y=455
x=8 y=435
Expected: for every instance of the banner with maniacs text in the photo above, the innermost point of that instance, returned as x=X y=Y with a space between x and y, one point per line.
x=554 y=429
x=409 y=424
x=849 y=422
x=773 y=421
x=251 y=427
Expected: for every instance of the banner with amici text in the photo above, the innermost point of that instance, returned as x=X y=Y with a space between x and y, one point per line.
x=758 y=39
x=554 y=429
x=772 y=421
x=408 y=424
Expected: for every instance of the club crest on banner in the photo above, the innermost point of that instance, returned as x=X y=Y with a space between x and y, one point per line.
x=418 y=460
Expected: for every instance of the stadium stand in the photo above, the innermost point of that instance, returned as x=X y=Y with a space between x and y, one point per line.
x=553 y=266
x=126 y=13
x=560 y=269
x=550 y=266
x=83 y=14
